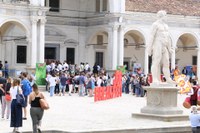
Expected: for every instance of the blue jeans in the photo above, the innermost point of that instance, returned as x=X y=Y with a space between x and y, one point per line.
x=6 y=73
x=123 y=87
x=137 y=91
x=52 y=88
x=62 y=88
x=81 y=89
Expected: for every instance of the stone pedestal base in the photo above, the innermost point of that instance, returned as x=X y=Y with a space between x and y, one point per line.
x=162 y=103
x=166 y=118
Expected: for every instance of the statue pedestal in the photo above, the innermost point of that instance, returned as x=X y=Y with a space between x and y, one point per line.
x=161 y=104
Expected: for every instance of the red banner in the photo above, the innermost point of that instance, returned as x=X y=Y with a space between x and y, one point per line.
x=109 y=92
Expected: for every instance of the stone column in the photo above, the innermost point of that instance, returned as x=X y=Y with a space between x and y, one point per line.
x=42 y=2
x=1 y=51
x=114 y=47
x=117 y=6
x=108 y=60
x=121 y=45
x=42 y=40
x=47 y=3
x=10 y=54
x=111 y=5
x=29 y=43
x=62 y=51
x=90 y=55
x=146 y=61
x=198 y=64
x=34 y=21
x=122 y=6
x=81 y=45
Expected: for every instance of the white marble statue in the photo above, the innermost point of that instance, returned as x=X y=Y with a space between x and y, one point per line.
x=160 y=47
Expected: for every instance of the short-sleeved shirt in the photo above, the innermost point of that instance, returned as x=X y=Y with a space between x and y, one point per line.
x=52 y=81
x=194 y=120
x=81 y=80
x=13 y=91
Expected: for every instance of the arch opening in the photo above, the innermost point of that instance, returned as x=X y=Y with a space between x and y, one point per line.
x=14 y=44
x=134 y=48
x=186 y=53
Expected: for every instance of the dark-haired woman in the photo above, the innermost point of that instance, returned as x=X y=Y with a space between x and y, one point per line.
x=35 y=111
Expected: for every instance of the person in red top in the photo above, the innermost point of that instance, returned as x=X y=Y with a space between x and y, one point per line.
x=193 y=98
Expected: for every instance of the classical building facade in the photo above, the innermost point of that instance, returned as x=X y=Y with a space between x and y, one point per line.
x=22 y=31
x=109 y=32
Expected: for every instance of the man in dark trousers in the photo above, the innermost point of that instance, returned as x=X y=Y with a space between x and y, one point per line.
x=1 y=65
x=6 y=70
x=2 y=86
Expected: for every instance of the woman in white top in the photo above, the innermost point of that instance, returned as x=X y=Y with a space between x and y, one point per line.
x=16 y=110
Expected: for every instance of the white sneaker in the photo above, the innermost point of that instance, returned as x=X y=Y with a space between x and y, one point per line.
x=14 y=130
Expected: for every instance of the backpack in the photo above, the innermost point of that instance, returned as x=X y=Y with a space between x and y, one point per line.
x=27 y=89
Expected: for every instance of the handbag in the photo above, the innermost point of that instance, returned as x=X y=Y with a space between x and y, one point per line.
x=20 y=99
x=8 y=97
x=43 y=104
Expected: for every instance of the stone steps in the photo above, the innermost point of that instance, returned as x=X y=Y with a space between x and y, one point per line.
x=147 y=130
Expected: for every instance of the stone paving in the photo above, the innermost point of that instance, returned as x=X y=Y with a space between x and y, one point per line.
x=82 y=114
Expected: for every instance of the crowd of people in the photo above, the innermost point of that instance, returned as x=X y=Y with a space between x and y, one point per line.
x=82 y=79
x=65 y=79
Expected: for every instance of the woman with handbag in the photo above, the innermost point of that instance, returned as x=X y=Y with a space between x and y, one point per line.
x=16 y=109
x=36 y=111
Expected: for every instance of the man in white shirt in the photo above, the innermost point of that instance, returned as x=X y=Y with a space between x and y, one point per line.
x=87 y=67
x=48 y=68
x=81 y=67
x=60 y=66
x=195 y=120
x=65 y=66
x=53 y=65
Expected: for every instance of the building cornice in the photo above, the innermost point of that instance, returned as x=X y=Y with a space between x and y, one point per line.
x=129 y=18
